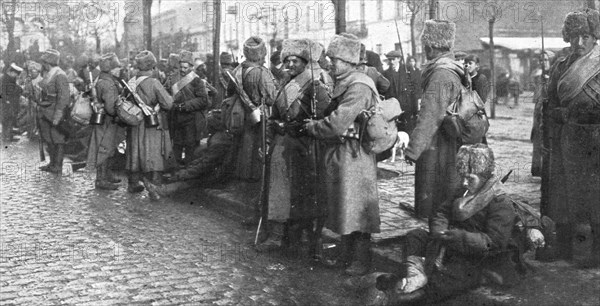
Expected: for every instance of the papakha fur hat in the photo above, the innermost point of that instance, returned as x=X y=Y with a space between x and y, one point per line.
x=145 y=60
x=226 y=58
x=295 y=47
x=344 y=47
x=475 y=159
x=51 y=57
x=255 y=49
x=109 y=61
x=186 y=56
x=438 y=34
x=31 y=65
x=579 y=23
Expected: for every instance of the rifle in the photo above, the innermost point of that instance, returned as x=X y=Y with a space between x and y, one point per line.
x=264 y=188
x=40 y=141
x=546 y=136
x=147 y=110
x=401 y=51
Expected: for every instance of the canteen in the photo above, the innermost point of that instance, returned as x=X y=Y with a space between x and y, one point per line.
x=151 y=120
x=97 y=118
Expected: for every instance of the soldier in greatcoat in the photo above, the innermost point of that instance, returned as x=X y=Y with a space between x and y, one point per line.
x=105 y=138
x=430 y=147
x=573 y=116
x=350 y=172
x=149 y=151
x=10 y=93
x=258 y=83
x=190 y=99
x=52 y=110
x=296 y=168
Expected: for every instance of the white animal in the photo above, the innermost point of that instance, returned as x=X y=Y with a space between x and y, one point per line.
x=400 y=146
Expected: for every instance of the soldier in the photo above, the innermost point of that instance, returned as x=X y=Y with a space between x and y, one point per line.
x=295 y=183
x=190 y=99
x=573 y=116
x=380 y=81
x=350 y=172
x=10 y=95
x=105 y=138
x=33 y=93
x=433 y=151
x=258 y=83
x=149 y=150
x=52 y=108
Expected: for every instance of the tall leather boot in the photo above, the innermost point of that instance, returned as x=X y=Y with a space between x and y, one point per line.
x=59 y=155
x=564 y=241
x=134 y=184
x=362 y=256
x=593 y=259
x=101 y=178
x=51 y=153
x=110 y=175
x=178 y=154
x=189 y=154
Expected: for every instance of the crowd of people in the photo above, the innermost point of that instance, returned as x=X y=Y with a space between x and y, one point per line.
x=296 y=127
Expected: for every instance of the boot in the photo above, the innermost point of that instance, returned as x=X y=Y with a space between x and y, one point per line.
x=110 y=176
x=189 y=154
x=362 y=256
x=593 y=259
x=156 y=177
x=549 y=252
x=101 y=181
x=59 y=155
x=134 y=184
x=51 y=152
x=178 y=154
x=344 y=255
x=564 y=241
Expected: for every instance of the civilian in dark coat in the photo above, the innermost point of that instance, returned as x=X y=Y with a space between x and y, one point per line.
x=479 y=81
x=400 y=88
x=10 y=93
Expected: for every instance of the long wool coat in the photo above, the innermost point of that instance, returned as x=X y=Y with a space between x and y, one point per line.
x=259 y=84
x=296 y=176
x=186 y=122
x=350 y=172
x=105 y=138
x=574 y=195
x=150 y=149
x=434 y=152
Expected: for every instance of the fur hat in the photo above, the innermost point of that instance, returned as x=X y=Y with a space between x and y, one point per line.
x=475 y=159
x=145 y=60
x=225 y=58
x=438 y=34
x=51 y=57
x=345 y=48
x=31 y=65
x=460 y=55
x=577 y=23
x=108 y=62
x=373 y=59
x=295 y=47
x=255 y=49
x=186 y=57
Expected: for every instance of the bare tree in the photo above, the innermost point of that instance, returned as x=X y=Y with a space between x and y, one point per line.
x=8 y=18
x=415 y=7
x=147 y=17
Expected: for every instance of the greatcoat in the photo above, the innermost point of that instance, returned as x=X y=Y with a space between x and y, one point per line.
x=53 y=105
x=434 y=152
x=150 y=149
x=105 y=138
x=350 y=172
x=574 y=106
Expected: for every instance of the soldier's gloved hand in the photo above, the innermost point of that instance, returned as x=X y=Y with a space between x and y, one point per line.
x=295 y=129
x=263 y=155
x=450 y=235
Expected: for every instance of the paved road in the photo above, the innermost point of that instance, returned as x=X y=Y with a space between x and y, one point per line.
x=61 y=241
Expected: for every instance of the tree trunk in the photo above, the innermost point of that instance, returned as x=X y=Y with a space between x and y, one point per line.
x=492 y=71
x=340 y=16
x=9 y=16
x=216 y=43
x=413 y=43
x=433 y=8
x=147 y=20
x=591 y=4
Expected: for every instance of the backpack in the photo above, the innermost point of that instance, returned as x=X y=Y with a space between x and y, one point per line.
x=466 y=118
x=127 y=110
x=234 y=107
x=81 y=111
x=378 y=125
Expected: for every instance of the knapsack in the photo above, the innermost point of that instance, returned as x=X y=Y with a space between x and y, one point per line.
x=466 y=118
x=234 y=108
x=378 y=125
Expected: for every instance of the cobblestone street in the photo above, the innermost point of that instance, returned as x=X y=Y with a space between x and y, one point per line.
x=63 y=242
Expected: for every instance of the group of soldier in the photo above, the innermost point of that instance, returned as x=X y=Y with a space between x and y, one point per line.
x=306 y=147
